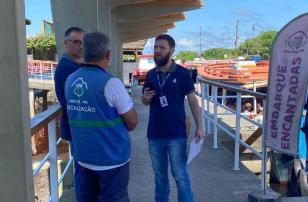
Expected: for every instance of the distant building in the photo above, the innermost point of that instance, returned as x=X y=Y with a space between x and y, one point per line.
x=47 y=27
x=132 y=50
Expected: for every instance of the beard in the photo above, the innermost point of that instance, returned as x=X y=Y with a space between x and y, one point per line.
x=163 y=60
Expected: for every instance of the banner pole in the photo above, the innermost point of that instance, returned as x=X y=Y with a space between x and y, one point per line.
x=264 y=169
x=264 y=152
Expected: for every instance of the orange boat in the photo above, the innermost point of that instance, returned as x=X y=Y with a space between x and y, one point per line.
x=235 y=72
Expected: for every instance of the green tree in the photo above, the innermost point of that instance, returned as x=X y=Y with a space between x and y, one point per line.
x=217 y=53
x=259 y=45
x=43 y=46
x=186 y=55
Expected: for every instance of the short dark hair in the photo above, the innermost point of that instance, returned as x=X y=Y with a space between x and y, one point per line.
x=95 y=46
x=168 y=38
x=73 y=29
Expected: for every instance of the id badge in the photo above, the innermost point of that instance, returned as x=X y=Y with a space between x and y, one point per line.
x=163 y=101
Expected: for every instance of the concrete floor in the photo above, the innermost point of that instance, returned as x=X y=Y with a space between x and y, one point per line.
x=212 y=176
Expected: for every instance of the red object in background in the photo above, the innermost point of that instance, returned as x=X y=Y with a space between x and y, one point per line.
x=146 y=62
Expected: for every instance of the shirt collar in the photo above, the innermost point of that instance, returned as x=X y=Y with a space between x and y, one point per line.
x=67 y=56
x=171 y=69
x=85 y=65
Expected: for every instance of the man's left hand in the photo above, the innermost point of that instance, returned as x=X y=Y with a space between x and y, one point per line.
x=199 y=134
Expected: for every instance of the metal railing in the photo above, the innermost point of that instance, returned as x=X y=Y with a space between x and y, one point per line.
x=38 y=122
x=41 y=70
x=211 y=116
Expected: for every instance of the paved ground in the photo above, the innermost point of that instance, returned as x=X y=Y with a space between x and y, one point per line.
x=211 y=172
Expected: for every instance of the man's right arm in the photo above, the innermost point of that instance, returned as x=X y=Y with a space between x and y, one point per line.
x=118 y=97
x=130 y=119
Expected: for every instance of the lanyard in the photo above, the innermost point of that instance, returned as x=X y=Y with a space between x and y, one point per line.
x=161 y=85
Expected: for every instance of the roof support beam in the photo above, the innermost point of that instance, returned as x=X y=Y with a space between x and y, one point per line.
x=115 y=3
x=151 y=29
x=153 y=21
x=147 y=28
x=148 y=11
x=143 y=35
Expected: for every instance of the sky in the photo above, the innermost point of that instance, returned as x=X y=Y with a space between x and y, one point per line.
x=216 y=19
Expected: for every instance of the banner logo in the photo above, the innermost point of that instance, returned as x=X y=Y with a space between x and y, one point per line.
x=296 y=40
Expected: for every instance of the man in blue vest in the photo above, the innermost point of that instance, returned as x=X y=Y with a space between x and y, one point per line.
x=165 y=89
x=68 y=64
x=100 y=113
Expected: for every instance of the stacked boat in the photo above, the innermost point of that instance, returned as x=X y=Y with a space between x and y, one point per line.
x=235 y=72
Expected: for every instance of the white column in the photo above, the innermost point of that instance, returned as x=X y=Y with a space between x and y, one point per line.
x=119 y=57
x=107 y=24
x=16 y=182
x=113 y=39
x=70 y=13
x=116 y=66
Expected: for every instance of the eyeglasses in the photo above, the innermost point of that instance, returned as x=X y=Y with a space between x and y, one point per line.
x=75 y=42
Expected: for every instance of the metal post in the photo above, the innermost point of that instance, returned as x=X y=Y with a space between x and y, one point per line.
x=70 y=152
x=208 y=108
x=255 y=103
x=264 y=152
x=214 y=92
x=237 y=132
x=54 y=197
x=254 y=98
x=41 y=71
x=202 y=104
x=223 y=97
x=52 y=72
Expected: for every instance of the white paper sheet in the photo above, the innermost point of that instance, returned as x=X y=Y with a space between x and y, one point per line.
x=194 y=149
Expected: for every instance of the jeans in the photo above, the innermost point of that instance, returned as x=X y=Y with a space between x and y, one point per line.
x=101 y=186
x=175 y=150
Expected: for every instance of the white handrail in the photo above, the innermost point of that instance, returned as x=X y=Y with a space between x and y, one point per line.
x=38 y=122
x=236 y=165
x=214 y=93
x=53 y=161
x=209 y=116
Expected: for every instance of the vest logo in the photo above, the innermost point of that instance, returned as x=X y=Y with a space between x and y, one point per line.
x=79 y=87
x=296 y=40
x=174 y=81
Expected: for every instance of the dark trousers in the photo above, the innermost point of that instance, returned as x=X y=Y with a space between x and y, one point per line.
x=101 y=186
